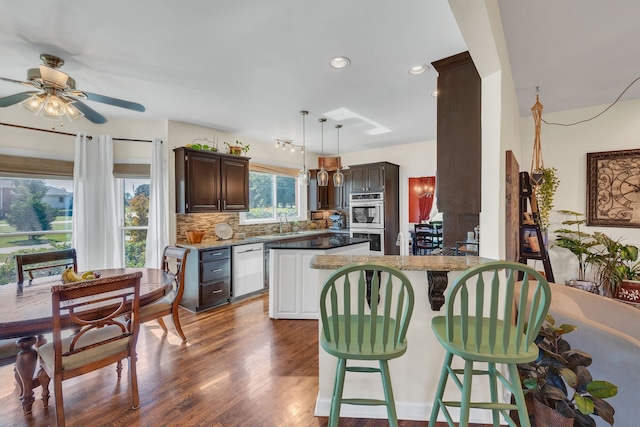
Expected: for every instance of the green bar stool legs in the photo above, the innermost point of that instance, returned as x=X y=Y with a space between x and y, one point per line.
x=481 y=326
x=365 y=311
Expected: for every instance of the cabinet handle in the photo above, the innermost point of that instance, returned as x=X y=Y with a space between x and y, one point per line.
x=216 y=254
x=218 y=204
x=224 y=204
x=216 y=292
x=216 y=270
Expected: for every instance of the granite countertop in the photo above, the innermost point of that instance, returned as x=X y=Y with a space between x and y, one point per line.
x=317 y=242
x=407 y=263
x=213 y=243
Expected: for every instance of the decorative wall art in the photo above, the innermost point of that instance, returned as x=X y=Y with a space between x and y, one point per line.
x=422 y=192
x=613 y=188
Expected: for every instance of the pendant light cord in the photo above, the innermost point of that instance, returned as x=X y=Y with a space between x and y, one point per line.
x=597 y=115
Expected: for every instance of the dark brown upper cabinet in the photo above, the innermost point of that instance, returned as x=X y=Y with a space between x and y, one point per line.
x=211 y=182
x=367 y=178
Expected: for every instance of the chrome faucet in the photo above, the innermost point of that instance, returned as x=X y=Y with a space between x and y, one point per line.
x=285 y=220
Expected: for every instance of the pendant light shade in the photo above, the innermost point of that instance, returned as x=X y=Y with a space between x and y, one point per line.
x=323 y=175
x=303 y=174
x=338 y=177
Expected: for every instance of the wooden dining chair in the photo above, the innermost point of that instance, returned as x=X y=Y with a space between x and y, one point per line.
x=365 y=310
x=44 y=264
x=481 y=326
x=173 y=261
x=105 y=316
x=427 y=238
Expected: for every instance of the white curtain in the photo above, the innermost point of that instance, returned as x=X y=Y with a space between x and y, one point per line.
x=158 y=232
x=96 y=236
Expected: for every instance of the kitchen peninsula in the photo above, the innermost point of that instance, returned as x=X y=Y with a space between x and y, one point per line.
x=415 y=375
x=293 y=285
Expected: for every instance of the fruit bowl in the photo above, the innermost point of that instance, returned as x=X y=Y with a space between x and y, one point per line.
x=195 y=236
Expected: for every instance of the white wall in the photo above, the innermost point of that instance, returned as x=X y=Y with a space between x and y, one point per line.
x=566 y=148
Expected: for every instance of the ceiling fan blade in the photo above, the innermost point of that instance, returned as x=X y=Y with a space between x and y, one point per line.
x=19 y=82
x=89 y=112
x=14 y=99
x=115 y=101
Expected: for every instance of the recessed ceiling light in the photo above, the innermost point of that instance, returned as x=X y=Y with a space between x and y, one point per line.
x=339 y=62
x=418 y=69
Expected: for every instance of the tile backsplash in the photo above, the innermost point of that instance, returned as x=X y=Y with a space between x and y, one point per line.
x=208 y=222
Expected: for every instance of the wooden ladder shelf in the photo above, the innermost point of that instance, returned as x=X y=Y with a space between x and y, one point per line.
x=531 y=242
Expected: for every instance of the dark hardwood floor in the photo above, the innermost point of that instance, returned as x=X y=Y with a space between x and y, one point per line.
x=238 y=368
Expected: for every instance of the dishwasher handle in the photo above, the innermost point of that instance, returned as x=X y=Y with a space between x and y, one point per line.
x=250 y=250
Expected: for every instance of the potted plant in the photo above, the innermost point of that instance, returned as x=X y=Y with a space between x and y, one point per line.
x=545 y=192
x=559 y=380
x=616 y=264
x=238 y=148
x=579 y=243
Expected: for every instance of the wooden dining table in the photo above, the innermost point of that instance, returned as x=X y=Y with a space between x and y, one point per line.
x=26 y=315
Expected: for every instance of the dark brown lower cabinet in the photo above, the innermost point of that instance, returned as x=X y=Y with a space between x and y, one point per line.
x=207 y=278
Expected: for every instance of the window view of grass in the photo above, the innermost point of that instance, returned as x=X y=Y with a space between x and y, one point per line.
x=36 y=215
x=271 y=196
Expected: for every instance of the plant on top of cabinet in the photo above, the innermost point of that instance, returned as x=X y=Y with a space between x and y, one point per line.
x=238 y=148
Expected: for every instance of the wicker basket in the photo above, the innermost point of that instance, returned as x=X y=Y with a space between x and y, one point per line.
x=549 y=417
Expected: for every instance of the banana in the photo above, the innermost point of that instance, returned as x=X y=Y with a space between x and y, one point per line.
x=86 y=275
x=68 y=276
x=73 y=276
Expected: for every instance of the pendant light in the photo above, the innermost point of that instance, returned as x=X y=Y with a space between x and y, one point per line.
x=303 y=174
x=338 y=177
x=323 y=175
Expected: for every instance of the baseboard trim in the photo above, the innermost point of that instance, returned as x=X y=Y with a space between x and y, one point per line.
x=405 y=411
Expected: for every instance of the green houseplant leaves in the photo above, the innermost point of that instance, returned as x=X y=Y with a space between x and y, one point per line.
x=559 y=378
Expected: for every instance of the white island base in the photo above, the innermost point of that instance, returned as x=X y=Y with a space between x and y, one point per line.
x=415 y=375
x=293 y=286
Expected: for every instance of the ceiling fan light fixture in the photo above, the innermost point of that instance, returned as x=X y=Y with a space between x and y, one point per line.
x=72 y=112
x=54 y=107
x=54 y=77
x=34 y=103
x=339 y=62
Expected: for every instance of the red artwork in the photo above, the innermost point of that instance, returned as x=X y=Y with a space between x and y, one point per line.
x=421 y=194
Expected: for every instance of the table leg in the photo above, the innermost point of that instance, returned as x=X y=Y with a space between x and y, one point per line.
x=26 y=362
x=437 y=284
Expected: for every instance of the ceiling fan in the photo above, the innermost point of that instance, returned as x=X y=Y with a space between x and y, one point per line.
x=56 y=94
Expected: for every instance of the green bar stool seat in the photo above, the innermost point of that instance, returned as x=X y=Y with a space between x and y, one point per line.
x=365 y=311
x=487 y=329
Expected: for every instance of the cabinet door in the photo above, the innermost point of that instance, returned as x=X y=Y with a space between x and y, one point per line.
x=235 y=184
x=358 y=179
x=203 y=183
x=375 y=177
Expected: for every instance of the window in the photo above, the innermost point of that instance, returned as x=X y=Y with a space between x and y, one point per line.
x=35 y=215
x=134 y=222
x=272 y=195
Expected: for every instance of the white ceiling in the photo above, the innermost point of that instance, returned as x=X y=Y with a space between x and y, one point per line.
x=248 y=67
x=579 y=52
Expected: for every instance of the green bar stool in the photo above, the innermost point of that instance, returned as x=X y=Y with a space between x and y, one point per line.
x=485 y=329
x=365 y=311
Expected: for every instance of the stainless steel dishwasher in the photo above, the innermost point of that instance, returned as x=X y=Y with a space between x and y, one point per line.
x=247 y=265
